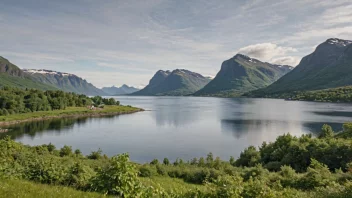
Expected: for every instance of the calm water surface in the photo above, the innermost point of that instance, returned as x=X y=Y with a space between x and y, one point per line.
x=186 y=127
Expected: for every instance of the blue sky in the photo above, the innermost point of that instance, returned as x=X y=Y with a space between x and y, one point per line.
x=112 y=42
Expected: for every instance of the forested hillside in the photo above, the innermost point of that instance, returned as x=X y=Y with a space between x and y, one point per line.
x=329 y=66
x=241 y=74
x=340 y=94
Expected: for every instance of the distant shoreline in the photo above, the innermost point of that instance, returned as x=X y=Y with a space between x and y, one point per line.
x=69 y=113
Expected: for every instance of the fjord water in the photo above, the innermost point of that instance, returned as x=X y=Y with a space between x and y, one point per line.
x=185 y=127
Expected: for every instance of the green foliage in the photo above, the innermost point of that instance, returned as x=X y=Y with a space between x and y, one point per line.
x=65 y=151
x=339 y=94
x=118 y=177
x=17 y=101
x=288 y=167
x=249 y=157
x=166 y=161
x=326 y=131
x=95 y=154
x=154 y=162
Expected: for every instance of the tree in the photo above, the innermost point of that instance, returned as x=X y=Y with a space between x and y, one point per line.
x=154 y=162
x=249 y=157
x=65 y=151
x=326 y=132
x=166 y=161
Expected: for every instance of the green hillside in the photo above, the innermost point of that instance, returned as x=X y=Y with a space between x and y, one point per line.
x=13 y=76
x=25 y=82
x=329 y=66
x=241 y=74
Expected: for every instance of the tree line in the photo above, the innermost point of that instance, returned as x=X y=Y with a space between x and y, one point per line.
x=16 y=100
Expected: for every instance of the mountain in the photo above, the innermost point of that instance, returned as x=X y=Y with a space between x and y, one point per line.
x=13 y=76
x=64 y=81
x=123 y=90
x=241 y=74
x=329 y=66
x=176 y=83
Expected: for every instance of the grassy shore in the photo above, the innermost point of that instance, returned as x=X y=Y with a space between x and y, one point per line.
x=68 y=112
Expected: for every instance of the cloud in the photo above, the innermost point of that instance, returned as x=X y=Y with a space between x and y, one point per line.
x=287 y=60
x=269 y=52
x=121 y=42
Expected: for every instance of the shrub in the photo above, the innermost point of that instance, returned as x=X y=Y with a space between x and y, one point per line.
x=65 y=151
x=95 y=154
x=145 y=171
x=154 y=162
x=119 y=178
x=166 y=161
x=78 y=176
x=161 y=170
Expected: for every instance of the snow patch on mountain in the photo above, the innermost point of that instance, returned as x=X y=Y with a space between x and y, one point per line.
x=44 y=71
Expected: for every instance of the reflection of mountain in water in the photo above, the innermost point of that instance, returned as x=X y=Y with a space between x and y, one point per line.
x=44 y=126
x=334 y=113
x=178 y=113
x=259 y=128
x=315 y=127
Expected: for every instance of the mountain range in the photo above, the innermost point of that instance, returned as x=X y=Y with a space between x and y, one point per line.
x=123 y=90
x=179 y=82
x=241 y=74
x=64 y=81
x=329 y=66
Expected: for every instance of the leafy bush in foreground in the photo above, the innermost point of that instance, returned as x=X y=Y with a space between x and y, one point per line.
x=289 y=167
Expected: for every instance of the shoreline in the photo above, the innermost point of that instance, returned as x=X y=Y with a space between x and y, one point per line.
x=74 y=115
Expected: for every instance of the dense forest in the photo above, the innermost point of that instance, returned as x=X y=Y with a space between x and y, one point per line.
x=291 y=166
x=16 y=100
x=340 y=94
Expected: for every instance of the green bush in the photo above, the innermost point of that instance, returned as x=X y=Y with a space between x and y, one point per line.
x=65 y=151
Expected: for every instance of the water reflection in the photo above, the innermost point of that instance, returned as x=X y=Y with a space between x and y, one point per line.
x=185 y=127
x=175 y=111
x=51 y=126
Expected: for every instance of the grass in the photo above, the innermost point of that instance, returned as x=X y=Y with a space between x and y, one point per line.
x=171 y=184
x=69 y=111
x=25 y=189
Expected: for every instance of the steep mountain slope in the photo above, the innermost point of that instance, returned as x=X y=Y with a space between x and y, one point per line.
x=176 y=83
x=156 y=80
x=329 y=66
x=13 y=76
x=64 y=81
x=123 y=90
x=241 y=74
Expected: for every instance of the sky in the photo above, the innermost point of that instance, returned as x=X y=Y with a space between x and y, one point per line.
x=115 y=42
